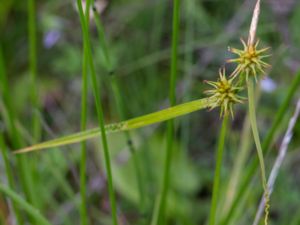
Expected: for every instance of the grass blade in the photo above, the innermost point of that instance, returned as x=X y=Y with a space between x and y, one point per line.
x=131 y=124
x=39 y=218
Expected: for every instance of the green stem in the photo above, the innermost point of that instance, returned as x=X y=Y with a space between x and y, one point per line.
x=39 y=218
x=238 y=166
x=217 y=176
x=253 y=123
x=33 y=67
x=174 y=53
x=86 y=35
x=10 y=179
x=83 y=119
x=8 y=169
x=252 y=115
x=83 y=204
x=248 y=175
x=31 y=171
x=120 y=107
x=170 y=128
x=119 y=102
x=188 y=61
x=8 y=113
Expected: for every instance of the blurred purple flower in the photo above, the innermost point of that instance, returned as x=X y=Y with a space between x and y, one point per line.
x=268 y=85
x=51 y=38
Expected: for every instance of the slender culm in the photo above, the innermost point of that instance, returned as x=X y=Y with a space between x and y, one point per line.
x=83 y=158
x=170 y=126
x=217 y=175
x=4 y=151
x=119 y=102
x=87 y=44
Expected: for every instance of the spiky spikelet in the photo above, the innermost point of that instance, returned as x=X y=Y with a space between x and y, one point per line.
x=250 y=60
x=224 y=94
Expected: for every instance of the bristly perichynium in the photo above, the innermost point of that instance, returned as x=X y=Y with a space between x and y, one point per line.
x=250 y=60
x=224 y=94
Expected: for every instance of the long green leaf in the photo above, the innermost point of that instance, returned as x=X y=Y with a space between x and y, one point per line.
x=131 y=124
x=40 y=219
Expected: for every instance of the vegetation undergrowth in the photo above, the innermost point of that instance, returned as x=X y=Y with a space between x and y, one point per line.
x=129 y=74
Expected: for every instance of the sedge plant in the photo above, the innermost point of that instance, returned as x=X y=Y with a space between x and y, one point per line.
x=224 y=94
x=250 y=62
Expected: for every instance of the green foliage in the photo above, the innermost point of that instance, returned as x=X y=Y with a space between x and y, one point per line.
x=132 y=41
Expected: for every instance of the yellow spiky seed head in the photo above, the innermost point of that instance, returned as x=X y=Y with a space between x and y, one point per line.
x=224 y=94
x=249 y=60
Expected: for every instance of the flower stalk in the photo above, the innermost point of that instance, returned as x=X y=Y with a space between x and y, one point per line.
x=217 y=176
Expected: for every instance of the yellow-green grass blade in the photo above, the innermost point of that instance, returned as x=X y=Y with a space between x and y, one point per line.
x=131 y=124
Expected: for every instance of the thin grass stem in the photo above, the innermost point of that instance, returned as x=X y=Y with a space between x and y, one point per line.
x=253 y=122
x=170 y=126
x=217 y=176
x=238 y=166
x=252 y=116
x=188 y=58
x=278 y=162
x=251 y=170
x=31 y=172
x=8 y=169
x=33 y=68
x=86 y=37
x=10 y=179
x=83 y=119
x=83 y=157
x=119 y=102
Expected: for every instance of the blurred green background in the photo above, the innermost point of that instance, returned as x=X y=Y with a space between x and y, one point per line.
x=139 y=38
